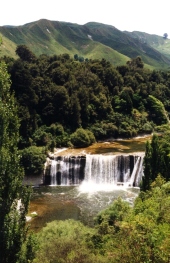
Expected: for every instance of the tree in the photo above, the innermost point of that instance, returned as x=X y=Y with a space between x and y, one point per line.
x=14 y=197
x=157 y=110
x=165 y=35
x=76 y=57
x=25 y=54
x=82 y=138
x=70 y=238
x=114 y=213
x=146 y=180
x=156 y=160
x=135 y=63
x=33 y=159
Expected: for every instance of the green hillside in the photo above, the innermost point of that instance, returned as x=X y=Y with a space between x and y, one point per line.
x=8 y=47
x=128 y=44
x=157 y=42
x=92 y=40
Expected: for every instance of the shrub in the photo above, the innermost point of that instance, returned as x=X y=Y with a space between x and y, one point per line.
x=147 y=127
x=115 y=212
x=55 y=129
x=65 y=242
x=111 y=129
x=98 y=131
x=62 y=140
x=82 y=138
x=33 y=159
x=41 y=137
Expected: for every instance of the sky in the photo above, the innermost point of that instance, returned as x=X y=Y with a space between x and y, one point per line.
x=149 y=16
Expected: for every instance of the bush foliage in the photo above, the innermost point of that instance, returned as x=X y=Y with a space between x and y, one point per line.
x=82 y=138
x=33 y=159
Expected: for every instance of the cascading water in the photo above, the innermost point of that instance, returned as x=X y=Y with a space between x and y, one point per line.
x=137 y=173
x=53 y=172
x=99 y=178
x=96 y=169
x=114 y=169
x=65 y=170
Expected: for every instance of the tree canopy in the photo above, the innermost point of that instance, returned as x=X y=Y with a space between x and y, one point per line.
x=14 y=197
x=156 y=160
x=92 y=95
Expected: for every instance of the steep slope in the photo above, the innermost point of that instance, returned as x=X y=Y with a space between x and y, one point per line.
x=159 y=43
x=127 y=44
x=53 y=37
x=8 y=48
x=92 y=40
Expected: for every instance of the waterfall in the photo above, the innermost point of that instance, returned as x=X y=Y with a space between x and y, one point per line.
x=137 y=173
x=66 y=170
x=97 y=169
x=114 y=169
x=53 y=172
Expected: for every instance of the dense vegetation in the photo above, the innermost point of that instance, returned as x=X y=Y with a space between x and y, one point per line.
x=64 y=102
x=121 y=233
x=14 y=197
x=157 y=159
x=58 y=95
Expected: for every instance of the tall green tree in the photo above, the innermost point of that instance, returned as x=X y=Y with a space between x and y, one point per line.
x=14 y=197
x=146 y=180
x=157 y=111
x=25 y=54
x=157 y=160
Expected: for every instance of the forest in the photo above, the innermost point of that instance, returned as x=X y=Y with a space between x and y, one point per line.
x=55 y=101
x=58 y=95
x=66 y=102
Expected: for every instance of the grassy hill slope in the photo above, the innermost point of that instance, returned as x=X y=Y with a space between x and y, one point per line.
x=158 y=43
x=92 y=40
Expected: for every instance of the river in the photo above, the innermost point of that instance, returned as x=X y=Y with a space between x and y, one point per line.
x=81 y=202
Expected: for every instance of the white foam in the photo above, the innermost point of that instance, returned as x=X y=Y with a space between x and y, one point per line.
x=92 y=187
